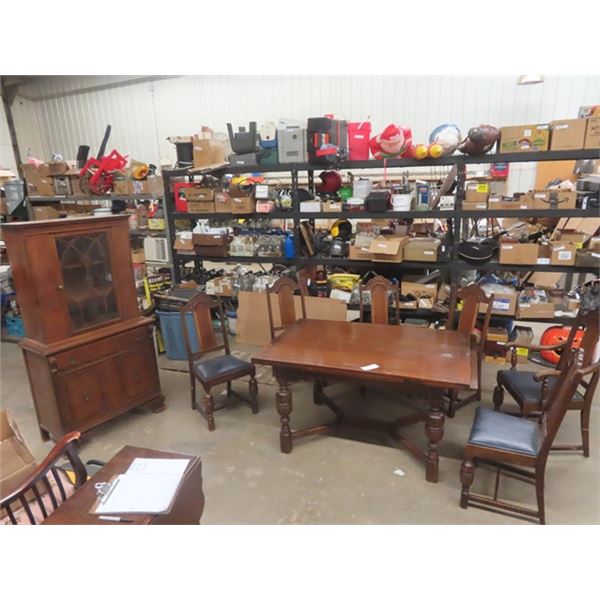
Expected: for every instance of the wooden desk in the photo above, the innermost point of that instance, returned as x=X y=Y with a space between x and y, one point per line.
x=187 y=508
x=434 y=360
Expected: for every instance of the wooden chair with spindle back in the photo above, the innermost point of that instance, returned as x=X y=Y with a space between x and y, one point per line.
x=529 y=388
x=380 y=288
x=213 y=371
x=509 y=442
x=283 y=289
x=36 y=498
x=472 y=297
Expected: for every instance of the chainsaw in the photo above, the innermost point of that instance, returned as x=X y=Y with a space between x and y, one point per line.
x=96 y=175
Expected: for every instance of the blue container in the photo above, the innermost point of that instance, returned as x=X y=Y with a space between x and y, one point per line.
x=14 y=326
x=170 y=328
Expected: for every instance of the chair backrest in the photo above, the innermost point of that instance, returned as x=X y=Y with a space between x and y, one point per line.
x=46 y=483
x=589 y=324
x=283 y=289
x=303 y=281
x=380 y=288
x=199 y=307
x=559 y=398
x=472 y=297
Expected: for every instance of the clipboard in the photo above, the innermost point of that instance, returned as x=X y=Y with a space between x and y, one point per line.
x=133 y=493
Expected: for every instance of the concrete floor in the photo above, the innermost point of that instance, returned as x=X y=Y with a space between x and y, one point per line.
x=325 y=480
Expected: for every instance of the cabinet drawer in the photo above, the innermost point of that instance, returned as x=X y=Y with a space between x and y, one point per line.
x=136 y=372
x=82 y=355
x=82 y=398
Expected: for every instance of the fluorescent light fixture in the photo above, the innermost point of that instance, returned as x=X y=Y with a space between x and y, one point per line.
x=530 y=79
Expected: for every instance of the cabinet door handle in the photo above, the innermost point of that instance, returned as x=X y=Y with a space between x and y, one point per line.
x=138 y=338
x=71 y=361
x=86 y=397
x=60 y=287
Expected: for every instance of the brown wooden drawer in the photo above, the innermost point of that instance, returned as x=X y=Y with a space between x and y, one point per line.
x=93 y=351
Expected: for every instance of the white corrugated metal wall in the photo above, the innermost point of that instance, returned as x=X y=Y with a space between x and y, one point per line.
x=58 y=114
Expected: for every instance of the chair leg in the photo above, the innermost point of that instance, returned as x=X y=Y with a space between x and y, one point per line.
x=539 y=492
x=209 y=409
x=193 y=390
x=229 y=388
x=498 y=397
x=253 y=390
x=585 y=430
x=467 y=473
x=452 y=401
x=317 y=392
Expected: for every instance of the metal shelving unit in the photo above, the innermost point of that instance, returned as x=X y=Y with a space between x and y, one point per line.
x=451 y=267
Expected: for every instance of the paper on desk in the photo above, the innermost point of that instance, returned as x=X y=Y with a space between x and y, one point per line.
x=159 y=466
x=370 y=367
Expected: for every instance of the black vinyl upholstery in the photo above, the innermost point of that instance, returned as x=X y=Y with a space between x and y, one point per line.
x=505 y=432
x=222 y=365
x=523 y=387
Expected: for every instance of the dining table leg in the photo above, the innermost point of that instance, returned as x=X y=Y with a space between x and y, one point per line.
x=284 y=408
x=434 y=430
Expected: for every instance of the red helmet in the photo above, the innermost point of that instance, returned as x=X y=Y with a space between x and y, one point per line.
x=331 y=182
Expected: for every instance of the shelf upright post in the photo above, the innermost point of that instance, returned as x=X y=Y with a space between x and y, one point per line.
x=169 y=206
x=296 y=214
x=457 y=223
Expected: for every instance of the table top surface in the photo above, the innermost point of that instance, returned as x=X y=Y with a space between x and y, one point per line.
x=76 y=510
x=436 y=357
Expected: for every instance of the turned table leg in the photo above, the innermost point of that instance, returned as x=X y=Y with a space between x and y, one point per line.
x=284 y=408
x=434 y=430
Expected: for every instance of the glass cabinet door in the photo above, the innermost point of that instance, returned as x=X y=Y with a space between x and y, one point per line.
x=87 y=277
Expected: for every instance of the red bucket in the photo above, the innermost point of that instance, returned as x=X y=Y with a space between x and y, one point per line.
x=359 y=135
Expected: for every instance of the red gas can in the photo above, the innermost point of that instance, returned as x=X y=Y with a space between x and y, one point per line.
x=358 y=140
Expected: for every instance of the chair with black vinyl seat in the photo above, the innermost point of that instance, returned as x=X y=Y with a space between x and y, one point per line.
x=283 y=290
x=40 y=494
x=217 y=370
x=509 y=443
x=472 y=298
x=380 y=289
x=528 y=388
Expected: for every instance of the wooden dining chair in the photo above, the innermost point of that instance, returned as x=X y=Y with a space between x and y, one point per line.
x=283 y=290
x=303 y=277
x=472 y=298
x=380 y=288
x=529 y=388
x=213 y=371
x=36 y=498
x=509 y=443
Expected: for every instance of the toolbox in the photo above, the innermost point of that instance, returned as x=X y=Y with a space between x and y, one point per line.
x=291 y=142
x=378 y=201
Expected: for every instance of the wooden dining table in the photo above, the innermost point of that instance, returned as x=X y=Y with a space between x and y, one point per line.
x=431 y=361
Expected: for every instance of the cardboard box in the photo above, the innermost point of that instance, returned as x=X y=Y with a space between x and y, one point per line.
x=525 y=138
x=122 y=187
x=567 y=134
x=57 y=167
x=388 y=248
x=331 y=206
x=223 y=203
x=243 y=206
x=538 y=310
x=476 y=193
x=518 y=254
x=208 y=152
x=410 y=285
x=183 y=243
x=199 y=194
x=422 y=249
x=563 y=253
x=16 y=460
x=579 y=238
x=43 y=213
x=497 y=202
x=505 y=299
x=521 y=335
x=592 y=133
x=210 y=239
x=201 y=207
x=594 y=244
x=357 y=253
x=62 y=185
x=156 y=185
x=39 y=182
x=138 y=256
x=565 y=199
x=479 y=205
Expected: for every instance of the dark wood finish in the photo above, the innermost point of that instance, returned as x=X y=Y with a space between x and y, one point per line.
x=379 y=287
x=199 y=307
x=31 y=490
x=186 y=510
x=89 y=353
x=589 y=323
x=509 y=462
x=337 y=350
x=283 y=289
x=473 y=298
